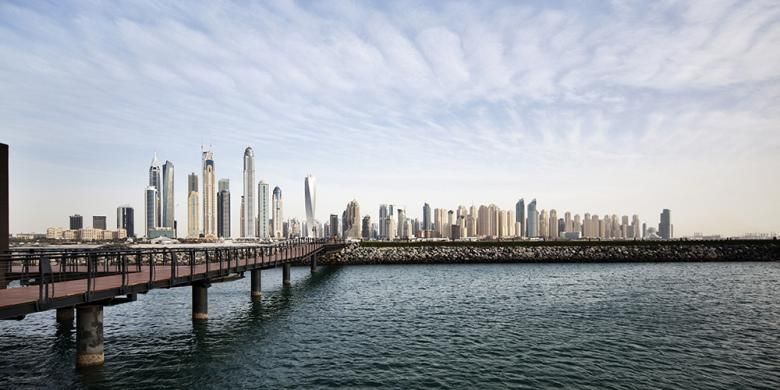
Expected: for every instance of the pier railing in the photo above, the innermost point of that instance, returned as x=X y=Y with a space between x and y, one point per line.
x=45 y=268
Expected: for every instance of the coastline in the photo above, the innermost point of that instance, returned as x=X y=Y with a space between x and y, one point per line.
x=552 y=252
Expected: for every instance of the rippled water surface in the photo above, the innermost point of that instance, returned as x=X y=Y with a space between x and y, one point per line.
x=680 y=325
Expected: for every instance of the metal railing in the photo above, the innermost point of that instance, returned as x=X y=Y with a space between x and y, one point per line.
x=171 y=266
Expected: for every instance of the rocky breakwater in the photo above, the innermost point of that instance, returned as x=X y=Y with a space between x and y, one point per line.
x=552 y=252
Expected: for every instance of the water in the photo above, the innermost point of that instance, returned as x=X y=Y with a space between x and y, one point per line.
x=681 y=325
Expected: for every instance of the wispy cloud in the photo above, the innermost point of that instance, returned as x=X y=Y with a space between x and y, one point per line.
x=522 y=98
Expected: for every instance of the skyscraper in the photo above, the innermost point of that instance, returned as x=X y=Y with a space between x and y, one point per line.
x=334 y=225
x=553 y=224
x=193 y=221
x=366 y=227
x=426 y=217
x=209 y=196
x=401 y=224
x=248 y=213
x=310 y=198
x=155 y=180
x=277 y=212
x=351 y=220
x=665 y=227
x=151 y=208
x=533 y=220
x=125 y=219
x=99 y=222
x=223 y=208
x=76 y=222
x=168 y=205
x=382 y=225
x=262 y=210
x=520 y=217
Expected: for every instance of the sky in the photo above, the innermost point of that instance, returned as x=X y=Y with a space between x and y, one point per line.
x=607 y=107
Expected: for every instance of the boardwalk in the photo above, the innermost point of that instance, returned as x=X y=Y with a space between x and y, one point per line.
x=144 y=275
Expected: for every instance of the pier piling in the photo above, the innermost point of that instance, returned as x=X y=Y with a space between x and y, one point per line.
x=89 y=336
x=200 y=301
x=255 y=284
x=286 y=275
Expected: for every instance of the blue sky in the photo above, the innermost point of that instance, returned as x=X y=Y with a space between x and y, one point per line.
x=604 y=107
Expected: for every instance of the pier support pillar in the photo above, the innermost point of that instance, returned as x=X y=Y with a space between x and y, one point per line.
x=65 y=315
x=255 y=284
x=89 y=336
x=200 y=300
x=286 y=275
x=313 y=263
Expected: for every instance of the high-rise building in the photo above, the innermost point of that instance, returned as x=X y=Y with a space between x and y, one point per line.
x=262 y=210
x=426 y=217
x=99 y=222
x=382 y=216
x=209 y=196
x=76 y=222
x=193 y=220
x=351 y=220
x=520 y=217
x=366 y=227
x=554 y=224
x=223 y=208
x=533 y=220
x=310 y=198
x=125 y=219
x=168 y=205
x=333 y=230
x=401 y=223
x=151 y=209
x=277 y=213
x=544 y=222
x=665 y=226
x=155 y=180
x=568 y=223
x=390 y=227
x=635 y=227
x=248 y=213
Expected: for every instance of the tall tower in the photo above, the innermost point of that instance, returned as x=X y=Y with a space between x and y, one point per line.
x=665 y=227
x=151 y=208
x=262 y=210
x=155 y=180
x=209 y=196
x=310 y=194
x=520 y=216
x=382 y=225
x=277 y=212
x=168 y=213
x=533 y=220
x=249 y=213
x=125 y=219
x=223 y=209
x=553 y=226
x=351 y=220
x=427 y=217
x=193 y=220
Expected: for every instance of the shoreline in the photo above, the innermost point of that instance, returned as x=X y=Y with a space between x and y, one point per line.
x=495 y=252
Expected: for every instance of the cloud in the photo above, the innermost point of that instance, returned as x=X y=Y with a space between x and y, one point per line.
x=556 y=94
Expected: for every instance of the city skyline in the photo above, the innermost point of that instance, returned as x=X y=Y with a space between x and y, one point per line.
x=603 y=108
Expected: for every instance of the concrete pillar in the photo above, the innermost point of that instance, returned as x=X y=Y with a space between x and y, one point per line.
x=255 y=284
x=286 y=275
x=200 y=301
x=65 y=315
x=313 y=262
x=89 y=336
